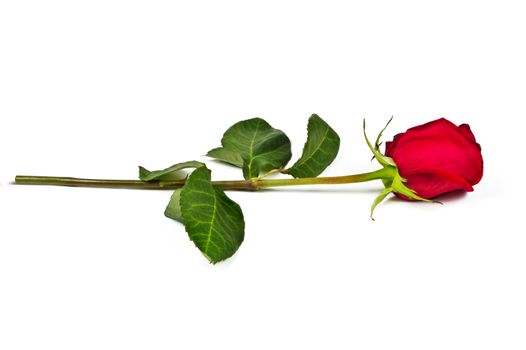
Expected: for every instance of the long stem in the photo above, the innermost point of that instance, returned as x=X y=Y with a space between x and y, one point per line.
x=241 y=185
x=384 y=173
x=246 y=185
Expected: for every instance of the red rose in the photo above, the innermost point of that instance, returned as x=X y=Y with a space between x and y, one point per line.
x=437 y=157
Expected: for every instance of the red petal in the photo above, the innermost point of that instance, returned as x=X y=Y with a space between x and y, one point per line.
x=466 y=131
x=438 y=147
x=430 y=184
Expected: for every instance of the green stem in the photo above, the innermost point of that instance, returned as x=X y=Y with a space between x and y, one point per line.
x=126 y=184
x=384 y=173
x=241 y=185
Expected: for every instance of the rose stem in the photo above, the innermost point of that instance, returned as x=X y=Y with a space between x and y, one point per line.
x=241 y=185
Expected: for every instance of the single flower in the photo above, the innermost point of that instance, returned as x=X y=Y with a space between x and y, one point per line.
x=437 y=157
x=428 y=160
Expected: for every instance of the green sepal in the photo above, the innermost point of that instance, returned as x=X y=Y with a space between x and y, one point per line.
x=377 y=142
x=382 y=159
x=379 y=199
x=398 y=186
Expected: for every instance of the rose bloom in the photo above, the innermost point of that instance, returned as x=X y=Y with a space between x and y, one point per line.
x=437 y=157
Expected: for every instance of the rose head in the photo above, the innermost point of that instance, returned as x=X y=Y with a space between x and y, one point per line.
x=437 y=157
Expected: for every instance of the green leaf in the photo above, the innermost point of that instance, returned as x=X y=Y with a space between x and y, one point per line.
x=173 y=209
x=172 y=173
x=261 y=147
x=213 y=221
x=226 y=155
x=319 y=151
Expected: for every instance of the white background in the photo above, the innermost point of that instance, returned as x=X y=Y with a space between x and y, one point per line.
x=95 y=88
